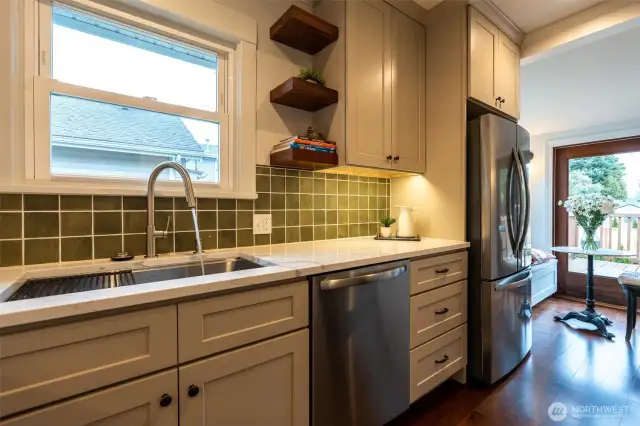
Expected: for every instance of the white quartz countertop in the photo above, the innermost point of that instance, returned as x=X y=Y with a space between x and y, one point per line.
x=283 y=262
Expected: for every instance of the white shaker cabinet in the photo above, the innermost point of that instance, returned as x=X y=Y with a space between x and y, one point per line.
x=264 y=384
x=494 y=66
x=368 y=60
x=408 y=138
x=380 y=63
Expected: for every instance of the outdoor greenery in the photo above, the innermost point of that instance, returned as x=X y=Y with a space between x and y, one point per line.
x=603 y=174
x=635 y=224
x=614 y=222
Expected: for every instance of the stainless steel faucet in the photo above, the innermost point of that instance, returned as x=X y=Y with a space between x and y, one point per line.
x=152 y=234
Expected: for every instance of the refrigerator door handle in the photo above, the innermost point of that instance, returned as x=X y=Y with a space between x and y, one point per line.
x=502 y=286
x=526 y=202
x=523 y=206
x=510 y=226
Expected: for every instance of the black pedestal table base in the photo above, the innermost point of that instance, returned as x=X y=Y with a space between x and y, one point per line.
x=590 y=315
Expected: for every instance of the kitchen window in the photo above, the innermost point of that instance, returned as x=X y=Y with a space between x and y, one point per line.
x=111 y=94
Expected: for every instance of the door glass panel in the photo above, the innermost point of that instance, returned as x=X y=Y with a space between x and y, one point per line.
x=617 y=175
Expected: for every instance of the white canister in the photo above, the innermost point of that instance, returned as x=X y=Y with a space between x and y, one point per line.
x=405 y=222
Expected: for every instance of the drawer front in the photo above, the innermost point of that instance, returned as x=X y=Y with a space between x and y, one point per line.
x=438 y=311
x=49 y=364
x=434 y=272
x=436 y=361
x=220 y=323
x=135 y=403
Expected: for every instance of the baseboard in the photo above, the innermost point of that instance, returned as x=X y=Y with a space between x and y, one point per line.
x=577 y=299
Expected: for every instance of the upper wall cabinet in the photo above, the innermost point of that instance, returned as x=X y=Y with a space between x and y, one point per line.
x=380 y=65
x=494 y=66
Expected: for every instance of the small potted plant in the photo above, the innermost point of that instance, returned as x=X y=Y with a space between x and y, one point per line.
x=312 y=76
x=385 y=229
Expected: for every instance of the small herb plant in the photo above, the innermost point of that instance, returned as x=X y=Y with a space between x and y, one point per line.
x=387 y=221
x=312 y=75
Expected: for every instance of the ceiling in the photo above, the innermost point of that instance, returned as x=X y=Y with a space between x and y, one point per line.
x=428 y=4
x=587 y=85
x=529 y=15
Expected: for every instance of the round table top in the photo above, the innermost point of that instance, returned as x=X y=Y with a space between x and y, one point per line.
x=599 y=252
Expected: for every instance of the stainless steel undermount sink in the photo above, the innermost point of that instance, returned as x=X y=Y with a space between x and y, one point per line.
x=43 y=287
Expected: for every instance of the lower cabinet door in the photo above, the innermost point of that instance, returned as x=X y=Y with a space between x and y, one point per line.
x=152 y=401
x=265 y=384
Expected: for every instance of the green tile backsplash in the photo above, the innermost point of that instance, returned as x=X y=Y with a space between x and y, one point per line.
x=304 y=206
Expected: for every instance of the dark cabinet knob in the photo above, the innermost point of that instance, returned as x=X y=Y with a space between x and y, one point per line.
x=165 y=400
x=193 y=391
x=389 y=157
x=396 y=158
x=502 y=100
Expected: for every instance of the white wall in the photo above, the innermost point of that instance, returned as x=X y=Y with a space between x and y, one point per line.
x=276 y=63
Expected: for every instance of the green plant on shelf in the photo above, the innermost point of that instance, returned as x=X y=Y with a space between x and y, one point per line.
x=387 y=221
x=308 y=74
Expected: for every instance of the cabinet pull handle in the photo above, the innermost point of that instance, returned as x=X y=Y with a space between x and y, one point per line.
x=443 y=360
x=193 y=391
x=396 y=158
x=442 y=312
x=442 y=271
x=165 y=400
x=389 y=157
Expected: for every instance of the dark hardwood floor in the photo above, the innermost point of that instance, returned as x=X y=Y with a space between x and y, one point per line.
x=574 y=367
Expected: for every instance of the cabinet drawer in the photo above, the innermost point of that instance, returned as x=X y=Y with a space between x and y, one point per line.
x=49 y=364
x=220 y=323
x=437 y=360
x=438 y=311
x=135 y=403
x=433 y=272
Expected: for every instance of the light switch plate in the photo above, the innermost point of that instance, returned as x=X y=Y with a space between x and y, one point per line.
x=261 y=224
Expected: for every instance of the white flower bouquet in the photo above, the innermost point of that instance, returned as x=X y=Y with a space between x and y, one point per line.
x=590 y=211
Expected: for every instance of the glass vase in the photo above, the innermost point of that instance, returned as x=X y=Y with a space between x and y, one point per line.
x=590 y=241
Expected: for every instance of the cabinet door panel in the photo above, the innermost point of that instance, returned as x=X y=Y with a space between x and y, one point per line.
x=408 y=93
x=483 y=46
x=369 y=83
x=508 y=76
x=136 y=403
x=264 y=384
x=48 y=364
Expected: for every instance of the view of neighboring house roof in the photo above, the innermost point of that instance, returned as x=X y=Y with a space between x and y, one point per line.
x=82 y=124
x=631 y=209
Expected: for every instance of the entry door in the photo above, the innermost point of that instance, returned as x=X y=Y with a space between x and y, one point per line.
x=590 y=167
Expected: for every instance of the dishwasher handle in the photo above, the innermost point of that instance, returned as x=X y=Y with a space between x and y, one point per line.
x=334 y=284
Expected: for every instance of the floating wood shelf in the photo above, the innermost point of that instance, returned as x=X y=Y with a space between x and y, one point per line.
x=303 y=31
x=300 y=94
x=304 y=159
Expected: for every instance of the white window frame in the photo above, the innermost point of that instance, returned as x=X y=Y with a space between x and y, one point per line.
x=236 y=111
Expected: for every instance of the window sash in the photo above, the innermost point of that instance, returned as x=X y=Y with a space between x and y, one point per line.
x=38 y=150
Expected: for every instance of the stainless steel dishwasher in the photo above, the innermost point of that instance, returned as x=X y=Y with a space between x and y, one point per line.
x=360 y=345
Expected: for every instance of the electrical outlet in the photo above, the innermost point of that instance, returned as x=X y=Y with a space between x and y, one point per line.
x=261 y=224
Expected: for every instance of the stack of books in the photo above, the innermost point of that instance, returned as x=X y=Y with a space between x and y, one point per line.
x=303 y=142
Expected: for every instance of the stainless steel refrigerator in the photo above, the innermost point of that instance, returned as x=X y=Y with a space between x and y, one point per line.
x=498 y=218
